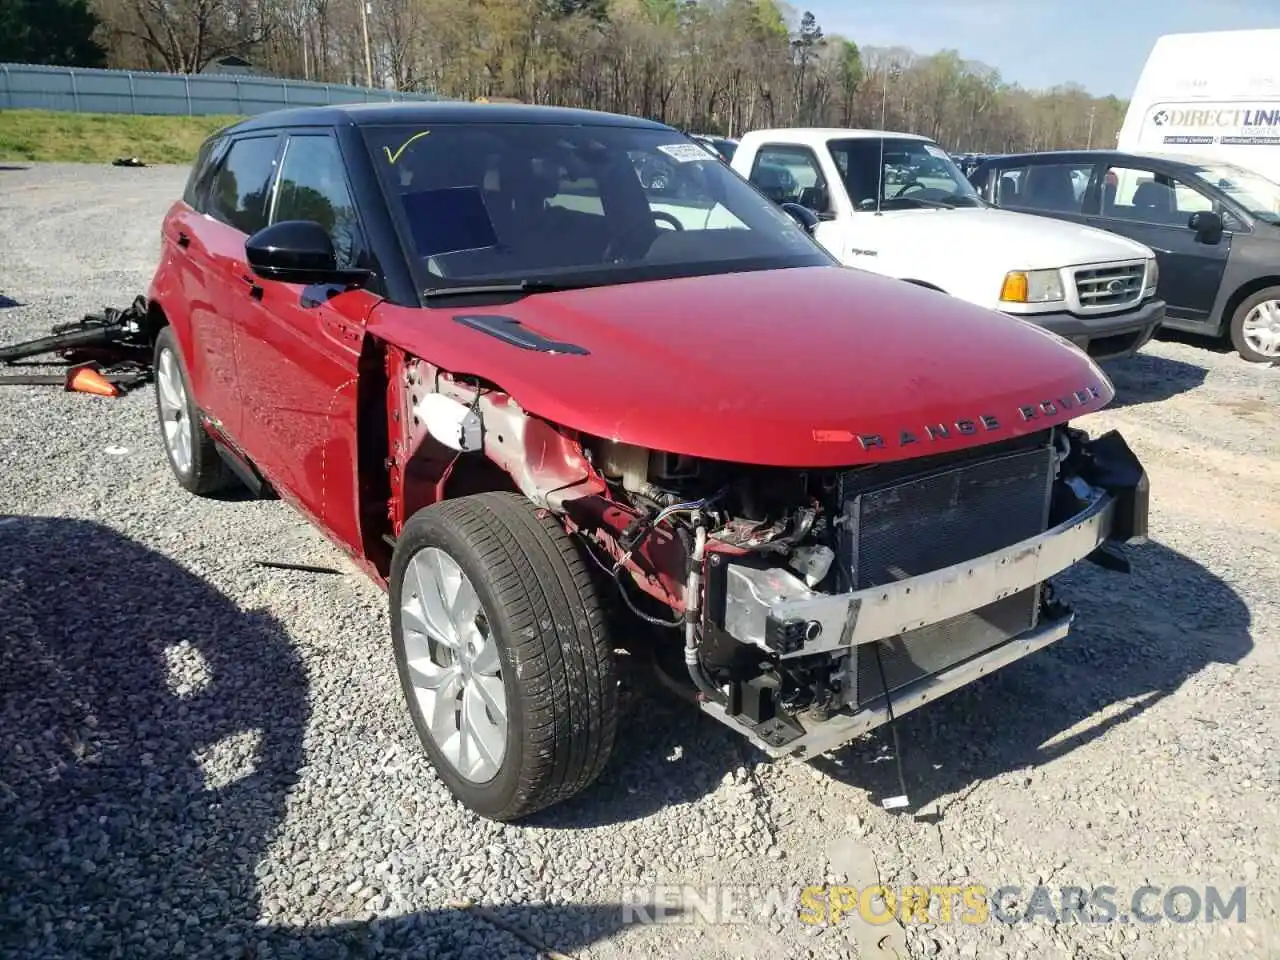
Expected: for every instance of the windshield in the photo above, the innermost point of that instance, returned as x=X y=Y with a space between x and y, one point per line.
x=1257 y=194
x=576 y=205
x=912 y=174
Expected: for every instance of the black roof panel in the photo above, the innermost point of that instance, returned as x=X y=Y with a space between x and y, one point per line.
x=443 y=111
x=1090 y=156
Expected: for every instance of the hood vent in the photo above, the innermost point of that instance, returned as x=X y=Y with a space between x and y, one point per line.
x=510 y=330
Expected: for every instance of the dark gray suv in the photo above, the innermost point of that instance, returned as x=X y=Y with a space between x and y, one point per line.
x=1215 y=228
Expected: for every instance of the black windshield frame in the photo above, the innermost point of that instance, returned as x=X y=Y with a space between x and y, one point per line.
x=772 y=239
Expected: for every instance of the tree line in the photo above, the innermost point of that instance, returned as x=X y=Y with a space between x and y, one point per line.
x=714 y=66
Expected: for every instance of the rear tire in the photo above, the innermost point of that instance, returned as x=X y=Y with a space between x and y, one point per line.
x=514 y=696
x=192 y=455
x=1259 y=313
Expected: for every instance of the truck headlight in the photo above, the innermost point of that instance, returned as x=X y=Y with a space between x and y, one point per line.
x=1153 y=278
x=1032 y=286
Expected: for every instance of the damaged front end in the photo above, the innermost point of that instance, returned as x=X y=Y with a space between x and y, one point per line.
x=807 y=606
x=818 y=604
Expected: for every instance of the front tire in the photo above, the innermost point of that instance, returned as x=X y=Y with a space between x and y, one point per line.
x=500 y=643
x=1255 y=327
x=192 y=455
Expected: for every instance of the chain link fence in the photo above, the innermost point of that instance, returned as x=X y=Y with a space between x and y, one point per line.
x=72 y=89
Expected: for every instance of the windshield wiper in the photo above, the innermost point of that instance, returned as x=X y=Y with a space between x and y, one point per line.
x=936 y=204
x=522 y=287
x=957 y=202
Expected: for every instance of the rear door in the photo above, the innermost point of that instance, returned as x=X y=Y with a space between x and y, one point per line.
x=1154 y=208
x=298 y=347
x=235 y=207
x=184 y=246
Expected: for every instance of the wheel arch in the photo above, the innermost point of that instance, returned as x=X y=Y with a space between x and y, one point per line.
x=402 y=468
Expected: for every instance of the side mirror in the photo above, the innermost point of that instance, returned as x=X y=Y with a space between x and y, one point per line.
x=1207 y=226
x=802 y=215
x=298 y=251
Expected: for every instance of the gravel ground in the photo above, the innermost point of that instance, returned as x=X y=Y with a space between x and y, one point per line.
x=203 y=756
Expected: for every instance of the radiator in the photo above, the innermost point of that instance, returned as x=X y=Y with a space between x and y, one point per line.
x=938 y=515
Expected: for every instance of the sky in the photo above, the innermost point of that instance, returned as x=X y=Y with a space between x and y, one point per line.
x=1099 y=44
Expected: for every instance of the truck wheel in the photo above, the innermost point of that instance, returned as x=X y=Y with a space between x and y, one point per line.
x=500 y=643
x=1255 y=327
x=192 y=455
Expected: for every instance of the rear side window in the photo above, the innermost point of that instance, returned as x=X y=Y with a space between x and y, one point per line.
x=238 y=193
x=1051 y=187
x=199 y=174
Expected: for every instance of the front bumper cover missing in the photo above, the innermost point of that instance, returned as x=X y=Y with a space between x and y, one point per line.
x=777 y=612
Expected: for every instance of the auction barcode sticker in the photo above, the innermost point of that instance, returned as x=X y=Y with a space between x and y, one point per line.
x=685 y=152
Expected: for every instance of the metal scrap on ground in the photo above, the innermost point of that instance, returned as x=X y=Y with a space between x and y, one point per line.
x=106 y=353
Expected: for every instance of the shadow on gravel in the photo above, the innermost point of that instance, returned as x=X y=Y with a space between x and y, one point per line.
x=150 y=731
x=1135 y=641
x=1200 y=341
x=1146 y=378
x=7 y=303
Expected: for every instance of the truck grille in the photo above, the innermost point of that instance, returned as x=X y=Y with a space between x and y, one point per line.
x=901 y=527
x=1118 y=285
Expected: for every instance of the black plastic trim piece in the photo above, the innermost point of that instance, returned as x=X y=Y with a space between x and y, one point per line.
x=509 y=330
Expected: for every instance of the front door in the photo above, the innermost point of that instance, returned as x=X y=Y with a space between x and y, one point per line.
x=1153 y=208
x=298 y=349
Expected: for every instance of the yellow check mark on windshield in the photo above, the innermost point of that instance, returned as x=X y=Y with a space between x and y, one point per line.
x=393 y=157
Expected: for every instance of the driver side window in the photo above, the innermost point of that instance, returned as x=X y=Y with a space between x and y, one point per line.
x=313 y=186
x=1144 y=196
x=791 y=174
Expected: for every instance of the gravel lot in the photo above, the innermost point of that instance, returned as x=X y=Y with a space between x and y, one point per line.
x=203 y=756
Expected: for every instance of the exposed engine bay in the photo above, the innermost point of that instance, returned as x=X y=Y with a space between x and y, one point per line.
x=811 y=604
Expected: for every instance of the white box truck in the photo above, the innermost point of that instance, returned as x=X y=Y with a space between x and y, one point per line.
x=1214 y=96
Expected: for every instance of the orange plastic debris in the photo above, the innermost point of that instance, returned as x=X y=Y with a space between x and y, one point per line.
x=88 y=380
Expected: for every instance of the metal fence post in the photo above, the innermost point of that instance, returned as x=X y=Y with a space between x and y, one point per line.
x=133 y=96
x=75 y=94
x=8 y=85
x=186 y=86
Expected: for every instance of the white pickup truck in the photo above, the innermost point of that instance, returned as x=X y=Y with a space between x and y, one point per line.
x=896 y=204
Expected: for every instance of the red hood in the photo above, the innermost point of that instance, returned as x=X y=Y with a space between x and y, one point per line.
x=819 y=366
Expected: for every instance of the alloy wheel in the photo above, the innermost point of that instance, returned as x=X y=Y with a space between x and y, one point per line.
x=454 y=665
x=174 y=411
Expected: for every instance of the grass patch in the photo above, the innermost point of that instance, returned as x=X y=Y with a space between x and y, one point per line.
x=48 y=136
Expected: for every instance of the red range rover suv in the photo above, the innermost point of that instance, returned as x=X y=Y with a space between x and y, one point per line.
x=557 y=408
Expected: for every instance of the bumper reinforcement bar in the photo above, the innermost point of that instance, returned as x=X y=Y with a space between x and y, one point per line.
x=778 y=612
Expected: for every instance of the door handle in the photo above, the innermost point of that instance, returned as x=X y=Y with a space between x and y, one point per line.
x=184 y=241
x=255 y=290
